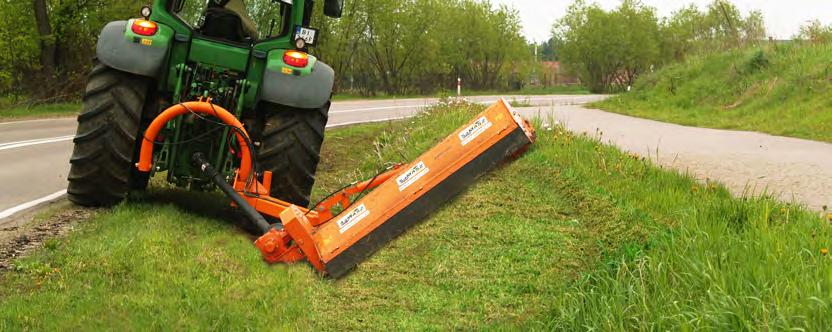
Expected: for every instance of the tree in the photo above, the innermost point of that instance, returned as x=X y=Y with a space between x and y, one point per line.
x=608 y=48
x=641 y=39
x=395 y=46
x=423 y=45
x=550 y=50
x=50 y=43
x=815 y=32
x=45 y=36
x=682 y=32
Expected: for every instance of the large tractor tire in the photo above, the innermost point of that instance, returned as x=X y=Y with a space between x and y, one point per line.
x=291 y=148
x=108 y=138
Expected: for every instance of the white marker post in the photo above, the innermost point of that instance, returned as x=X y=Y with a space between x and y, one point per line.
x=459 y=86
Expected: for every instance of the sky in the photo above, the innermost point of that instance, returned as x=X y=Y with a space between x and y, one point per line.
x=783 y=17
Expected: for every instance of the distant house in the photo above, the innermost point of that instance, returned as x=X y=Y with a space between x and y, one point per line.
x=554 y=74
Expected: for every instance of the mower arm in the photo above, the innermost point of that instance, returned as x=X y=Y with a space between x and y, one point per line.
x=335 y=244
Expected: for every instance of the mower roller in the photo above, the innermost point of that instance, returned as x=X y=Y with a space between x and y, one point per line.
x=395 y=200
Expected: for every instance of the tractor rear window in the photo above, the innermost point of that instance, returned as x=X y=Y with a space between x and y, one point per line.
x=258 y=19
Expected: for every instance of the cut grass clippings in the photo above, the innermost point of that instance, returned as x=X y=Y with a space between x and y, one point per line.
x=573 y=235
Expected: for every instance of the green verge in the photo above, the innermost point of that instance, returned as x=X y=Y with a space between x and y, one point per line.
x=39 y=111
x=782 y=89
x=573 y=235
x=528 y=91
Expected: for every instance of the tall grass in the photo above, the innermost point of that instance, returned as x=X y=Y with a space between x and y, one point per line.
x=782 y=89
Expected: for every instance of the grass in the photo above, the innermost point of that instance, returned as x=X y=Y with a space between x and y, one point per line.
x=783 y=89
x=527 y=91
x=574 y=235
x=13 y=112
x=517 y=103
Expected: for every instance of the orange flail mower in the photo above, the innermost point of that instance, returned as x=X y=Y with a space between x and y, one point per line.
x=399 y=198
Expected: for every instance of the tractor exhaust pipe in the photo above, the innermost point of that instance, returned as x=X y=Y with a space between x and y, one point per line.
x=255 y=217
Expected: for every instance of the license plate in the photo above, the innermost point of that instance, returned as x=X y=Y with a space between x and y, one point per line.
x=308 y=35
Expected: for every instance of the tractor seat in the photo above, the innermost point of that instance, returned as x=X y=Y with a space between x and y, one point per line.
x=224 y=24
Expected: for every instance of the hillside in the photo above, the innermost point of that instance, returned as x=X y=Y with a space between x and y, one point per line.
x=781 y=89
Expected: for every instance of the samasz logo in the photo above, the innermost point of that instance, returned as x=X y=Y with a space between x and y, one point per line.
x=469 y=134
x=412 y=175
x=352 y=218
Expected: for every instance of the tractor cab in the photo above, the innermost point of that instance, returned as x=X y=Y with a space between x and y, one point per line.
x=238 y=21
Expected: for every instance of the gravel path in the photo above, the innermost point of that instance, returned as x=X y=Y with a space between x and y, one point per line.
x=794 y=170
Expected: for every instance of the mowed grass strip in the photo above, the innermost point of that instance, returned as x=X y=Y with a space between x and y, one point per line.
x=573 y=235
x=780 y=89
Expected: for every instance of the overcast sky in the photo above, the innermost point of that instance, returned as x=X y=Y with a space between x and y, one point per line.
x=783 y=17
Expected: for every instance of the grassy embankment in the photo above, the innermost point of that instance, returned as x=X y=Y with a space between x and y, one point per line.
x=783 y=89
x=572 y=235
x=11 y=111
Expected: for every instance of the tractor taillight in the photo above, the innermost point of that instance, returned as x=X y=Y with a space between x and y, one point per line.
x=144 y=27
x=296 y=59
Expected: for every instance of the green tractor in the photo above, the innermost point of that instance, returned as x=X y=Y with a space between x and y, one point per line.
x=247 y=56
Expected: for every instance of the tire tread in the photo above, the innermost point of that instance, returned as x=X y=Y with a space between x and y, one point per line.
x=105 y=142
x=290 y=149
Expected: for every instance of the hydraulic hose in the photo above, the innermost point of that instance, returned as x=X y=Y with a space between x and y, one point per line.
x=255 y=217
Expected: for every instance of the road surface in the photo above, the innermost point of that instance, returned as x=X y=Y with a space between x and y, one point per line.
x=794 y=170
x=35 y=153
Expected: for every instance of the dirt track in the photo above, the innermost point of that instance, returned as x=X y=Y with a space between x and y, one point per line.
x=794 y=170
x=18 y=237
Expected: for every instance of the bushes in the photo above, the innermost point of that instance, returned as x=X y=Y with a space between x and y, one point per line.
x=50 y=65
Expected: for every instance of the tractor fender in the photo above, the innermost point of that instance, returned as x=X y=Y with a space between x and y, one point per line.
x=310 y=91
x=118 y=47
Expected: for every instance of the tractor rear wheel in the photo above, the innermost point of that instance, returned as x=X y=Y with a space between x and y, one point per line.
x=291 y=148
x=107 y=141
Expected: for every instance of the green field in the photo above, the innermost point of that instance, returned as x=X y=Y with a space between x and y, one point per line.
x=572 y=236
x=782 y=89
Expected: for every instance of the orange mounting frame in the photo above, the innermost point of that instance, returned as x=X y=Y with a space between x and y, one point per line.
x=257 y=194
x=403 y=195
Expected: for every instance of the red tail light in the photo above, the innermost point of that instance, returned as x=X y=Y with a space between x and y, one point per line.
x=296 y=59
x=144 y=27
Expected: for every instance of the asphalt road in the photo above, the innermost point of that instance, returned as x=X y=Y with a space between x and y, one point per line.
x=791 y=169
x=34 y=154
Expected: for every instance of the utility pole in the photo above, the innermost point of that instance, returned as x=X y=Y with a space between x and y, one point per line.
x=534 y=69
x=534 y=80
